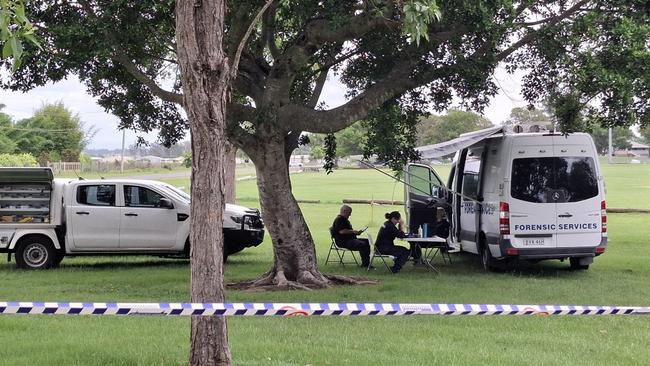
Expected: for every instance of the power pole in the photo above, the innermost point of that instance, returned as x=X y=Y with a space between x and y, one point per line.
x=122 y=159
x=610 y=149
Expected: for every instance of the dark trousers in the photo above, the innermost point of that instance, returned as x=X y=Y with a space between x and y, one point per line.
x=401 y=254
x=360 y=245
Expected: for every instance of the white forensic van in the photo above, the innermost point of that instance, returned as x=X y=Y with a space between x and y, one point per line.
x=526 y=195
x=44 y=219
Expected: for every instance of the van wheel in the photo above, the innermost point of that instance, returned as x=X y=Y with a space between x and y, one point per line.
x=35 y=253
x=486 y=259
x=575 y=264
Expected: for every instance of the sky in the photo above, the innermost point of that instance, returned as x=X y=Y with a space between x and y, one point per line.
x=74 y=96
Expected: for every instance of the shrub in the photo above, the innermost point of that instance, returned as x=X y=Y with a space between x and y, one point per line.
x=17 y=160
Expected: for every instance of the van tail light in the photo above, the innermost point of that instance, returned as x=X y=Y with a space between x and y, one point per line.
x=600 y=250
x=504 y=218
x=603 y=216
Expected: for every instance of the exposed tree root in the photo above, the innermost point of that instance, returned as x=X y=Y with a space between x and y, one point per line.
x=306 y=280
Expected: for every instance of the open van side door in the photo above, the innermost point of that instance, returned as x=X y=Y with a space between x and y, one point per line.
x=424 y=191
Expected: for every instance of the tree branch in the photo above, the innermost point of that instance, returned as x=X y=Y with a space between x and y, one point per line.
x=235 y=63
x=531 y=34
x=555 y=18
x=318 y=89
x=395 y=83
x=268 y=32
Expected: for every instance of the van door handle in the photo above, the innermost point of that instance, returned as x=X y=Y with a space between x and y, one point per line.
x=130 y=214
x=565 y=215
x=83 y=213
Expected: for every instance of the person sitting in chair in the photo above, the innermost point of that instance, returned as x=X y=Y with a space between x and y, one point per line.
x=346 y=237
x=391 y=229
x=441 y=225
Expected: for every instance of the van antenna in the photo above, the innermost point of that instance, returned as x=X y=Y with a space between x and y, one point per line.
x=78 y=176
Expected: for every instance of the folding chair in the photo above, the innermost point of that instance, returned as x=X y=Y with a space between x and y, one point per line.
x=340 y=252
x=376 y=253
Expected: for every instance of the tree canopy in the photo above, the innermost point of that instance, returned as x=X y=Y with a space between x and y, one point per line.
x=124 y=50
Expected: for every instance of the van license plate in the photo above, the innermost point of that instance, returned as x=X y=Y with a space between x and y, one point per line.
x=534 y=242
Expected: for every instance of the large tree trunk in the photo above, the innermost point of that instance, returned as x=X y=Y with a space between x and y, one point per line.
x=294 y=252
x=205 y=76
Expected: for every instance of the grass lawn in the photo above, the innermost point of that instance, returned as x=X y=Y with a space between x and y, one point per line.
x=620 y=277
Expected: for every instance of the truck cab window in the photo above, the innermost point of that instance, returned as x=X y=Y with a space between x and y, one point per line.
x=96 y=195
x=135 y=196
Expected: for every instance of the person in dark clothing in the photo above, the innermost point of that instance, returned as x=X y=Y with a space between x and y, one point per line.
x=441 y=225
x=346 y=237
x=391 y=229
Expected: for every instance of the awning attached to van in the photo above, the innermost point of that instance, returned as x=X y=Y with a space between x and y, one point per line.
x=461 y=142
x=26 y=175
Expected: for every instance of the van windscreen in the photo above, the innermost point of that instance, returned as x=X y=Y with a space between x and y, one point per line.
x=554 y=179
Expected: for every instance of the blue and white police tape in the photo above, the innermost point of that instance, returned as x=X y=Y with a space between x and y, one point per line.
x=306 y=309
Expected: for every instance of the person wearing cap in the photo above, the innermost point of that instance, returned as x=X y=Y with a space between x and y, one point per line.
x=346 y=237
x=390 y=230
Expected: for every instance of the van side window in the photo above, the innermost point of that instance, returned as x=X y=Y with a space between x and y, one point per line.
x=471 y=173
x=491 y=171
x=96 y=195
x=135 y=196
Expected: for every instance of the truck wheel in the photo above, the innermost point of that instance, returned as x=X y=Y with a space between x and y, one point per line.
x=575 y=264
x=486 y=259
x=35 y=253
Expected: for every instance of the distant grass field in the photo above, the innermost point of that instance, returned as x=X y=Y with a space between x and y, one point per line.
x=619 y=277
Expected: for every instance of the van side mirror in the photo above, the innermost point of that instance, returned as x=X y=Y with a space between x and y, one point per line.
x=165 y=203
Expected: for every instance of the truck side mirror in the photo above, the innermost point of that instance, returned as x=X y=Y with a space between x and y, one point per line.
x=165 y=203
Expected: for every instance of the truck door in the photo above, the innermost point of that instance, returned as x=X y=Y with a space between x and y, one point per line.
x=93 y=218
x=144 y=224
x=424 y=192
x=469 y=207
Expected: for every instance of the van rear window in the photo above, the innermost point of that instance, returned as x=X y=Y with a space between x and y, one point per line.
x=554 y=179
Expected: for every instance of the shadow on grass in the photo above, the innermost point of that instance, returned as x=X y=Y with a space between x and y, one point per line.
x=470 y=263
x=119 y=264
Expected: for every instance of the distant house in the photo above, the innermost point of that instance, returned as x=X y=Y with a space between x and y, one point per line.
x=640 y=149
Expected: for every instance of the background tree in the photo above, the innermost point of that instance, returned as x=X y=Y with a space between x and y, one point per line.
x=349 y=141
x=621 y=138
x=435 y=129
x=53 y=133
x=587 y=57
x=645 y=134
x=7 y=145
x=526 y=116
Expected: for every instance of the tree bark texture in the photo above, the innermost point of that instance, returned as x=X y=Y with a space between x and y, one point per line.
x=206 y=77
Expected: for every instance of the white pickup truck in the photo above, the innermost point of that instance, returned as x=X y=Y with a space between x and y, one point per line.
x=43 y=219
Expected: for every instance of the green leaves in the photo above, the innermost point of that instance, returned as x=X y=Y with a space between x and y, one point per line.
x=14 y=28
x=418 y=14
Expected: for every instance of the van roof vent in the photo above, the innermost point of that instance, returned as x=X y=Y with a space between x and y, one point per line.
x=533 y=128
